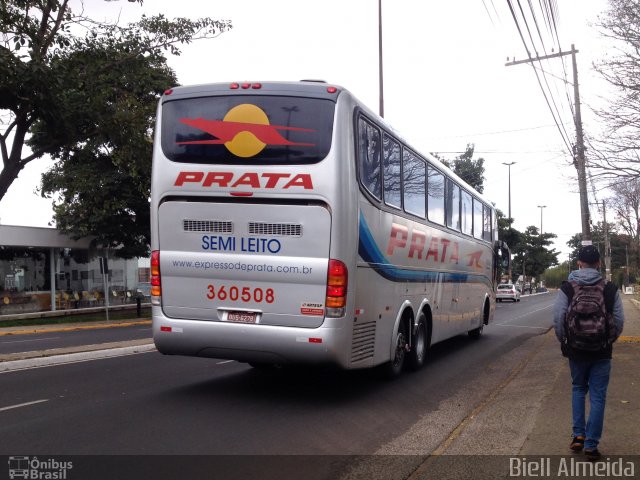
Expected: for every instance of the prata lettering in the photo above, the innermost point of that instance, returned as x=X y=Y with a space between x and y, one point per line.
x=415 y=244
x=252 y=180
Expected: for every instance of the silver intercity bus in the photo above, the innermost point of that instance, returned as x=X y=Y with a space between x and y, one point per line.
x=291 y=224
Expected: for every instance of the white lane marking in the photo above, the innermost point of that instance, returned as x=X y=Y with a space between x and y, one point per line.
x=226 y=361
x=10 y=407
x=519 y=326
x=31 y=340
x=526 y=314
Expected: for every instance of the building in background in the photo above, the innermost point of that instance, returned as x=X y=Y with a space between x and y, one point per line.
x=42 y=269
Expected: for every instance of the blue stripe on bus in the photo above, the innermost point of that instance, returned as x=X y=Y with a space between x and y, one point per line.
x=370 y=253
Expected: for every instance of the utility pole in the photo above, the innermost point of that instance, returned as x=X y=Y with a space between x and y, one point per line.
x=541 y=207
x=607 y=244
x=579 y=158
x=626 y=270
x=580 y=162
x=509 y=165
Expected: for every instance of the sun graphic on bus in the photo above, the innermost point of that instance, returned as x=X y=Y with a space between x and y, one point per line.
x=245 y=131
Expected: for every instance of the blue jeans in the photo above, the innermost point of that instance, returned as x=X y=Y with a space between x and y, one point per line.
x=592 y=377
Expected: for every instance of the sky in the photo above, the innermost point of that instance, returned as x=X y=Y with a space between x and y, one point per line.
x=445 y=85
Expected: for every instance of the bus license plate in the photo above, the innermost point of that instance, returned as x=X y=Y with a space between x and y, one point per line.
x=242 y=317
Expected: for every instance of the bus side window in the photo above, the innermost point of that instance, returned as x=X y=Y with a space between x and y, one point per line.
x=487 y=224
x=391 y=169
x=413 y=183
x=452 y=207
x=435 y=195
x=466 y=213
x=478 y=207
x=369 y=157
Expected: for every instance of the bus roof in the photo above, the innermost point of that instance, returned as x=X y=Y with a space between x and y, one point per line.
x=305 y=87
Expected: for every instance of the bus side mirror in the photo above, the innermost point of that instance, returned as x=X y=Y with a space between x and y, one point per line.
x=504 y=254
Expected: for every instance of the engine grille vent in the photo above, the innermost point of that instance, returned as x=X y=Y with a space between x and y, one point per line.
x=364 y=339
x=275 y=229
x=210 y=226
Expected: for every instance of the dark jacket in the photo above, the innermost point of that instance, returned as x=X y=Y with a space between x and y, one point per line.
x=584 y=276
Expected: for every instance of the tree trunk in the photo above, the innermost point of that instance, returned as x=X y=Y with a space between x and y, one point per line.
x=14 y=163
x=8 y=174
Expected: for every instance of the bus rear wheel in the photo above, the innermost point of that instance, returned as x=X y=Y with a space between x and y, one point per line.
x=420 y=345
x=393 y=368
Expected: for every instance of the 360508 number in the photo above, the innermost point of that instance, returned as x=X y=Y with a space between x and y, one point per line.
x=241 y=294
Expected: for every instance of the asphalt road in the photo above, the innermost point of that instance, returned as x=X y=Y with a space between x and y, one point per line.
x=56 y=339
x=149 y=404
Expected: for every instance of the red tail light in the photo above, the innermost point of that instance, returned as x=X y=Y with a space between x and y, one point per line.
x=337 y=281
x=156 y=284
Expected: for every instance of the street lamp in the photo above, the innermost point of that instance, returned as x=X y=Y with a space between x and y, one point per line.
x=541 y=207
x=509 y=165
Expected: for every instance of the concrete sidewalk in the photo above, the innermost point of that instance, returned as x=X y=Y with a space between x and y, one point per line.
x=530 y=413
x=551 y=431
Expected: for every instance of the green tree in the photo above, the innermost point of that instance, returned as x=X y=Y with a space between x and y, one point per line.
x=512 y=237
x=624 y=252
x=553 y=277
x=89 y=103
x=532 y=255
x=468 y=169
x=506 y=232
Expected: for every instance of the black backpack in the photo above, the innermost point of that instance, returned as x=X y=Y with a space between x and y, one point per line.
x=589 y=324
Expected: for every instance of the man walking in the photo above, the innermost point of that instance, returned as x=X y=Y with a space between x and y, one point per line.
x=588 y=318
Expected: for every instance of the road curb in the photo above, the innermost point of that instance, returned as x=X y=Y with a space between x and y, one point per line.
x=70 y=328
x=48 y=358
x=11 y=357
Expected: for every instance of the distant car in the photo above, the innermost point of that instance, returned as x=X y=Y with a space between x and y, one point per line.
x=507 y=291
x=144 y=289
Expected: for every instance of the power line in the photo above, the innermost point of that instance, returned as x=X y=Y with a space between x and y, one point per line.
x=561 y=130
x=498 y=132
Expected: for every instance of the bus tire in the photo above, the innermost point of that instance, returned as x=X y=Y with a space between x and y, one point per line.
x=393 y=368
x=420 y=345
x=477 y=332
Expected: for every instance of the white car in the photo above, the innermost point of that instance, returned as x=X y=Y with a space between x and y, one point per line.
x=507 y=291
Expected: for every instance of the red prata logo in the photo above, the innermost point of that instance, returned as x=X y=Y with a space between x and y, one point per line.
x=252 y=180
x=441 y=250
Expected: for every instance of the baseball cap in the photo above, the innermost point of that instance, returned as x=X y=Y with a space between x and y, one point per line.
x=589 y=254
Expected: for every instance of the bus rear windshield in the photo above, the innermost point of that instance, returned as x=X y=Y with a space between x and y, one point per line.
x=246 y=130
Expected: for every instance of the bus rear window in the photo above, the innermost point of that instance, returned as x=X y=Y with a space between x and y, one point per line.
x=263 y=130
